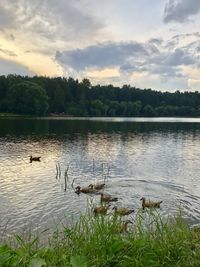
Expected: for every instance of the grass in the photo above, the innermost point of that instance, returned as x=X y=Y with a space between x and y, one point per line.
x=98 y=242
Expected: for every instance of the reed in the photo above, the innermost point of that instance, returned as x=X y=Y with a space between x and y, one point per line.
x=97 y=241
x=58 y=170
x=66 y=178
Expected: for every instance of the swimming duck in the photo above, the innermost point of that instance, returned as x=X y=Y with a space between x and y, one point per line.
x=34 y=158
x=85 y=190
x=122 y=211
x=98 y=186
x=101 y=209
x=150 y=203
x=107 y=198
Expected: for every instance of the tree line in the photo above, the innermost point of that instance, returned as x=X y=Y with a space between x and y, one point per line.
x=40 y=95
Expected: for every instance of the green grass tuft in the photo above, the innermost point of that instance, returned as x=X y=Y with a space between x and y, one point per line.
x=99 y=242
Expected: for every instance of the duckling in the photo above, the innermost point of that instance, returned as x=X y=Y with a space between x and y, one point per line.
x=85 y=190
x=122 y=211
x=101 y=209
x=98 y=186
x=150 y=204
x=107 y=198
x=34 y=158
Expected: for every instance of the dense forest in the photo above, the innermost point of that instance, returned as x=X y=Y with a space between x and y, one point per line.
x=40 y=95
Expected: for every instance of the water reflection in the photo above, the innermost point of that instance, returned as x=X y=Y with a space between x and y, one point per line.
x=158 y=160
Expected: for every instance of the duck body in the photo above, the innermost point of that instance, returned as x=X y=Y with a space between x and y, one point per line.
x=101 y=210
x=150 y=203
x=107 y=198
x=85 y=190
x=98 y=186
x=34 y=158
x=124 y=226
x=123 y=211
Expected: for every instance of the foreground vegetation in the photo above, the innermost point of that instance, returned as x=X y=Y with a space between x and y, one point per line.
x=44 y=95
x=100 y=241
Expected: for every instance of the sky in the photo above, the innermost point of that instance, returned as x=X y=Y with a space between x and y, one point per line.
x=145 y=43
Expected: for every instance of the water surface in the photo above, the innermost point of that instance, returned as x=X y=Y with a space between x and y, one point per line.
x=157 y=158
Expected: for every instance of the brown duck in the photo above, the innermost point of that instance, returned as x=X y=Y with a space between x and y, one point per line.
x=150 y=203
x=101 y=210
x=85 y=190
x=122 y=211
x=107 y=198
x=98 y=186
x=124 y=226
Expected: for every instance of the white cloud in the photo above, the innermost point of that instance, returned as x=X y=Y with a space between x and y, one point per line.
x=49 y=19
x=129 y=57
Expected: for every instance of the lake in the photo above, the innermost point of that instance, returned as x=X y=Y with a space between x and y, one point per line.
x=156 y=158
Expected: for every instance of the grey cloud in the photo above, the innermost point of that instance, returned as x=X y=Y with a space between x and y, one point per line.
x=6 y=18
x=186 y=35
x=101 y=56
x=179 y=57
x=153 y=49
x=49 y=18
x=157 y=41
x=8 y=52
x=161 y=59
x=165 y=71
x=10 y=67
x=180 y=10
x=168 y=64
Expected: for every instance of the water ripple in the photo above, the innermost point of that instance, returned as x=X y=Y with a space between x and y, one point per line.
x=139 y=160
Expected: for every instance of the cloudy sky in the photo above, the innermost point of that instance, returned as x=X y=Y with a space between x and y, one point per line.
x=146 y=43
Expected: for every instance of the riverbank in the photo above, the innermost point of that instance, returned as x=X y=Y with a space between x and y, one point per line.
x=10 y=115
x=66 y=116
x=104 y=241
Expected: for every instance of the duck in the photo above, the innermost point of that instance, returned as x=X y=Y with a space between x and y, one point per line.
x=101 y=210
x=122 y=211
x=107 y=198
x=98 y=186
x=124 y=226
x=85 y=190
x=150 y=203
x=34 y=158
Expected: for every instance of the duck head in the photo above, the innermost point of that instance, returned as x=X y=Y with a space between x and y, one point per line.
x=128 y=221
x=78 y=189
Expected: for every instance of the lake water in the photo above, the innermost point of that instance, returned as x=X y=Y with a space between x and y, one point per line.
x=157 y=158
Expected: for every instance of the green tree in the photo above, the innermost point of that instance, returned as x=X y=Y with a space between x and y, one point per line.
x=27 y=98
x=149 y=111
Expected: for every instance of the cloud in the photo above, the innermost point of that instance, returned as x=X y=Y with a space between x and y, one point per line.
x=8 y=52
x=155 y=58
x=49 y=19
x=10 y=67
x=6 y=18
x=101 y=55
x=128 y=57
x=157 y=41
x=180 y=10
x=176 y=58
